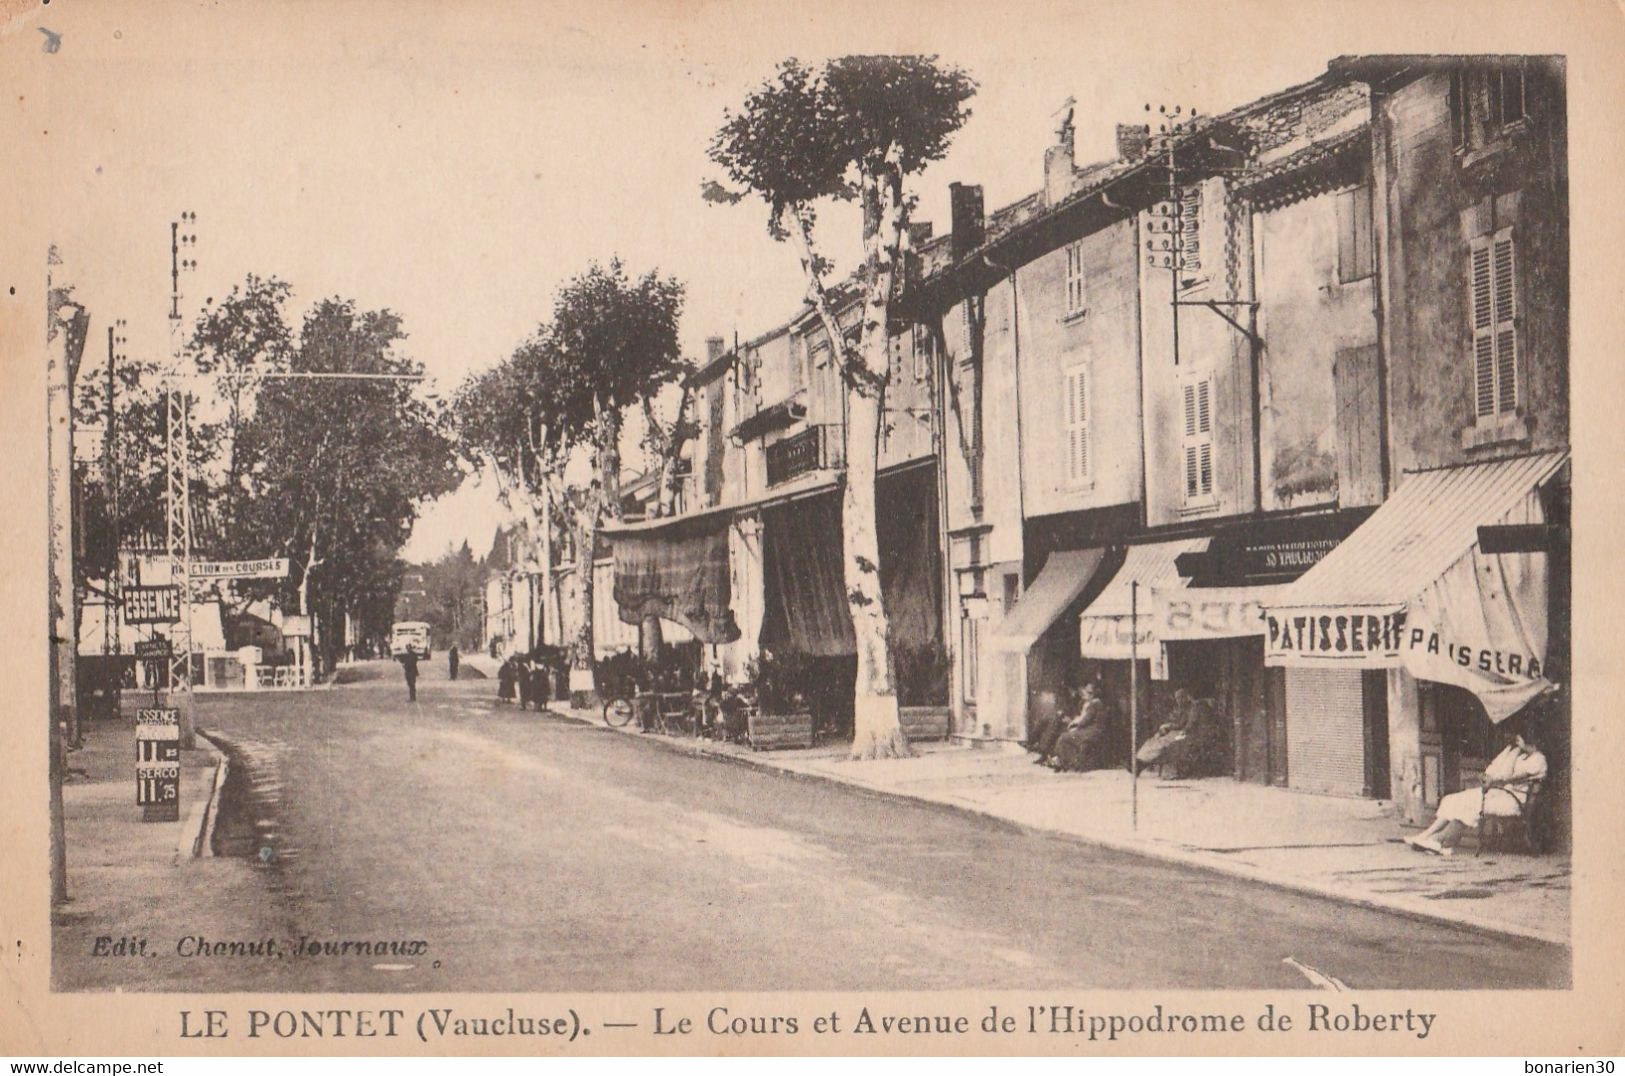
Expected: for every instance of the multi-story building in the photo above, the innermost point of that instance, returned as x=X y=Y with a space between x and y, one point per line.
x=1466 y=620
x=753 y=559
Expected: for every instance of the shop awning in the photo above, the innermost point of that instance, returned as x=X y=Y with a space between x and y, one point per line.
x=1108 y=629
x=678 y=572
x=1185 y=613
x=1063 y=577
x=1411 y=588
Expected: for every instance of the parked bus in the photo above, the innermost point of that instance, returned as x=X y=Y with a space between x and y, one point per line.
x=410 y=636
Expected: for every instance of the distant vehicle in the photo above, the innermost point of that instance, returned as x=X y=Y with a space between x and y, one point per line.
x=410 y=636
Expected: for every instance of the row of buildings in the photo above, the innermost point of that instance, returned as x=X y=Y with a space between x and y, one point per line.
x=1276 y=404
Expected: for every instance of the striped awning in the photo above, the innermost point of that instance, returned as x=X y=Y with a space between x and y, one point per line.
x=1429 y=524
x=1064 y=576
x=1108 y=628
x=1412 y=589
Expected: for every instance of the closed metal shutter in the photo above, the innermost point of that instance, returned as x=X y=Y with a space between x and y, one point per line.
x=1325 y=731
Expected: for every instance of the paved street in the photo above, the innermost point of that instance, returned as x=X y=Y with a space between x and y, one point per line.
x=535 y=853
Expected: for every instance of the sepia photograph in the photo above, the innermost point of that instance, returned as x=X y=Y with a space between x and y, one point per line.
x=727 y=502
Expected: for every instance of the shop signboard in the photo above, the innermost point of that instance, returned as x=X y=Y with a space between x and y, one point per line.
x=265 y=568
x=151 y=605
x=158 y=763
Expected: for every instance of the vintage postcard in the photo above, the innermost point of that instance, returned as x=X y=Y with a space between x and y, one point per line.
x=773 y=528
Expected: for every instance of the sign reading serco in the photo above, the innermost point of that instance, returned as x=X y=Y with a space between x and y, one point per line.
x=158 y=763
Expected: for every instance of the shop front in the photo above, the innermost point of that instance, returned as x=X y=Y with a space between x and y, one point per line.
x=1312 y=732
x=1415 y=610
x=1118 y=643
x=1028 y=651
x=805 y=624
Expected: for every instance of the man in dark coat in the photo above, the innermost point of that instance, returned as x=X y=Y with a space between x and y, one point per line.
x=522 y=678
x=505 y=676
x=451 y=661
x=538 y=685
x=409 y=665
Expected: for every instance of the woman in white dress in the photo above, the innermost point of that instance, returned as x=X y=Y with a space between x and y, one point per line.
x=1503 y=791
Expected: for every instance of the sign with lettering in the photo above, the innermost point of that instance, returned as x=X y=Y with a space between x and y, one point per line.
x=1187 y=613
x=1115 y=638
x=1352 y=638
x=152 y=648
x=158 y=763
x=1271 y=552
x=151 y=605
x=266 y=568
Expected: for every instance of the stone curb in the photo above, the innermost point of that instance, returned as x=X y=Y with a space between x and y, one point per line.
x=199 y=825
x=1412 y=908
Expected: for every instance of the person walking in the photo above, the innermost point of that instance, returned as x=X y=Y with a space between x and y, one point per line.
x=409 y=665
x=451 y=661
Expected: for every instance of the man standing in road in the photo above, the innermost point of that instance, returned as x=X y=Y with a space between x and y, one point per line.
x=409 y=664
x=451 y=661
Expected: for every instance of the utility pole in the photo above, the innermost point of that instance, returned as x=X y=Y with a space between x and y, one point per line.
x=66 y=325
x=178 y=507
x=112 y=622
x=1167 y=249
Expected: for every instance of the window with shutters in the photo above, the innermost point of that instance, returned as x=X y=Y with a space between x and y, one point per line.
x=1354 y=252
x=1197 y=406
x=1492 y=300
x=1079 y=452
x=1075 y=293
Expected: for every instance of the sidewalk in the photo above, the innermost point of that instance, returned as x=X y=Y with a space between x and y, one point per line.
x=1345 y=849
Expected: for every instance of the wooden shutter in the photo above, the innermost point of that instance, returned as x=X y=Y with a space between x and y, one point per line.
x=1504 y=272
x=1354 y=260
x=1492 y=302
x=1198 y=439
x=1074 y=278
x=1076 y=387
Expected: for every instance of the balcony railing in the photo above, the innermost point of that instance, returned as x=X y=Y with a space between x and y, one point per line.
x=816 y=448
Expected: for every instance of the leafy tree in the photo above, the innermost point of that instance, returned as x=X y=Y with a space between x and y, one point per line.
x=140 y=428
x=336 y=468
x=247 y=333
x=855 y=129
x=611 y=344
x=453 y=585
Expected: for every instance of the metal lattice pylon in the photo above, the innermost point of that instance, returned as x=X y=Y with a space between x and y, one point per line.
x=178 y=512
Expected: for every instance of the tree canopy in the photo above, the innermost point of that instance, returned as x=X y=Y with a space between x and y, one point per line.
x=337 y=468
x=805 y=135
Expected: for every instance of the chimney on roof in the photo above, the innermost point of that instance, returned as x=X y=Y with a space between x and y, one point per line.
x=965 y=218
x=1133 y=140
x=713 y=348
x=1060 y=159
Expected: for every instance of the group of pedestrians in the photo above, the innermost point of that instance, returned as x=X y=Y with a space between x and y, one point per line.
x=529 y=676
x=1074 y=739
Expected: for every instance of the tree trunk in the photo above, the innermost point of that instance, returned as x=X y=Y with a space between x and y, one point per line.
x=876 y=725
x=652 y=638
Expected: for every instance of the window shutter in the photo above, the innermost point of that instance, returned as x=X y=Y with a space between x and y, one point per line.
x=1198 y=439
x=1506 y=333
x=1493 y=291
x=1481 y=301
x=1076 y=387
